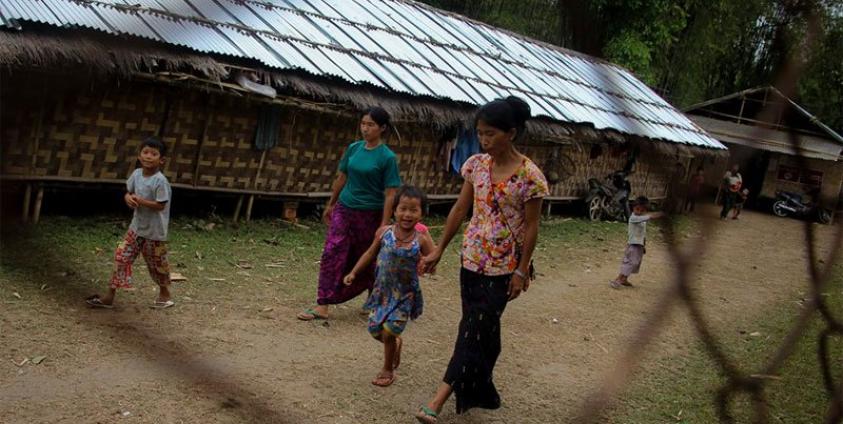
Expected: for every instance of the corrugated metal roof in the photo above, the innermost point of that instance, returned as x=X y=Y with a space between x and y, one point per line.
x=398 y=45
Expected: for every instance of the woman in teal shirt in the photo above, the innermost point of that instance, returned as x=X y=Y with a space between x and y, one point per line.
x=361 y=202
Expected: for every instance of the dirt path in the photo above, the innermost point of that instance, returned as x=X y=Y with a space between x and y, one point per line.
x=229 y=360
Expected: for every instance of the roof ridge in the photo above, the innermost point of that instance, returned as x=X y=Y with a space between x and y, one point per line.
x=514 y=34
x=373 y=55
x=263 y=3
x=473 y=51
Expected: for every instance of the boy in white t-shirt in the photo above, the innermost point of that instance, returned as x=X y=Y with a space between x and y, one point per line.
x=148 y=193
x=637 y=234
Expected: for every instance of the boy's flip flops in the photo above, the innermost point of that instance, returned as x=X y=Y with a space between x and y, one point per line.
x=95 y=302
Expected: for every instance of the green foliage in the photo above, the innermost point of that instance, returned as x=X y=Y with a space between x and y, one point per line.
x=821 y=90
x=629 y=49
x=636 y=31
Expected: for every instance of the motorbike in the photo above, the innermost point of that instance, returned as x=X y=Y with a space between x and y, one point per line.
x=791 y=204
x=609 y=198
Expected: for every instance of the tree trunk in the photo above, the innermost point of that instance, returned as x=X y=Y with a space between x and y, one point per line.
x=580 y=27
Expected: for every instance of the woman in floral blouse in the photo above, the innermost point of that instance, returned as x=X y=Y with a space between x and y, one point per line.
x=505 y=189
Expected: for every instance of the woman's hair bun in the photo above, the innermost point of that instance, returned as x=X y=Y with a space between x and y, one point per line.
x=520 y=108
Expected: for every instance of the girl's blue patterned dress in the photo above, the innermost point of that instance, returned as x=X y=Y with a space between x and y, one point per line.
x=396 y=297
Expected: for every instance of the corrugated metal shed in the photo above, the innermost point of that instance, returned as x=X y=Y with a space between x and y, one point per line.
x=398 y=45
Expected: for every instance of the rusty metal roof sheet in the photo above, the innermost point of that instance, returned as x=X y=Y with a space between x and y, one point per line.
x=398 y=45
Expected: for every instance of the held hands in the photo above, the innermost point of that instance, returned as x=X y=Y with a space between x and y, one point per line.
x=349 y=279
x=131 y=200
x=429 y=262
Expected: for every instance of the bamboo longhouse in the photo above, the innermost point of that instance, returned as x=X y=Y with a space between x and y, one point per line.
x=261 y=97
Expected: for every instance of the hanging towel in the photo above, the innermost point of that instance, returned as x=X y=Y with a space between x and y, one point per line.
x=467 y=146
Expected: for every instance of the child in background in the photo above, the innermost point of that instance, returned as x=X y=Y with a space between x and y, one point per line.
x=742 y=196
x=148 y=194
x=637 y=234
x=396 y=297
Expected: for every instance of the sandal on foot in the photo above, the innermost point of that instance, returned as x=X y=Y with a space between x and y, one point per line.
x=310 y=315
x=627 y=284
x=95 y=302
x=397 y=360
x=427 y=415
x=384 y=381
x=162 y=305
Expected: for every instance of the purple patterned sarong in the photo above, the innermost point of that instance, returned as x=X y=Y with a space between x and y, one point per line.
x=349 y=236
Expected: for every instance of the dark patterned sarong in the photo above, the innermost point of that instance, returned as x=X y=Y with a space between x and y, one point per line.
x=478 y=342
x=350 y=234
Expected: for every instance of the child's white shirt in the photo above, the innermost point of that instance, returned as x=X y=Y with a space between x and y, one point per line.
x=637 y=228
x=148 y=223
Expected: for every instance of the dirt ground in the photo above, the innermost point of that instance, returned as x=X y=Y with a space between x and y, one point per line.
x=243 y=357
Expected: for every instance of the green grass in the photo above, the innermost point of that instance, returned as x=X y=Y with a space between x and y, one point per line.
x=684 y=388
x=75 y=254
x=214 y=256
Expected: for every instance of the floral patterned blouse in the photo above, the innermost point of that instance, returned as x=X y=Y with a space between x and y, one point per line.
x=496 y=230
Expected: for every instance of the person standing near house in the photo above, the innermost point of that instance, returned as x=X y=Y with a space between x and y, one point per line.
x=732 y=182
x=694 y=189
x=148 y=194
x=636 y=240
x=504 y=189
x=361 y=202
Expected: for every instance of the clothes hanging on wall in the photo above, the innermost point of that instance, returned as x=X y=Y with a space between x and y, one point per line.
x=467 y=146
x=443 y=154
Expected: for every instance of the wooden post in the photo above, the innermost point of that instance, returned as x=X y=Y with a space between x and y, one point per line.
x=260 y=168
x=547 y=209
x=249 y=207
x=209 y=115
x=36 y=141
x=165 y=117
x=27 y=200
x=237 y=209
x=36 y=213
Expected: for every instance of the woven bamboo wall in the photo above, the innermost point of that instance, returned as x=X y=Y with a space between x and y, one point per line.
x=93 y=134
x=651 y=174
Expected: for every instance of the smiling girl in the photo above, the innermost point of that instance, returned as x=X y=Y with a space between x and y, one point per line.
x=397 y=296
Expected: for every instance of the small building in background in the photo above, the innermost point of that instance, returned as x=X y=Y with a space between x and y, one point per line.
x=766 y=133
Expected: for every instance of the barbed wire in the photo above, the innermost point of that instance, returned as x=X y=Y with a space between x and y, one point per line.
x=680 y=292
x=679 y=295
